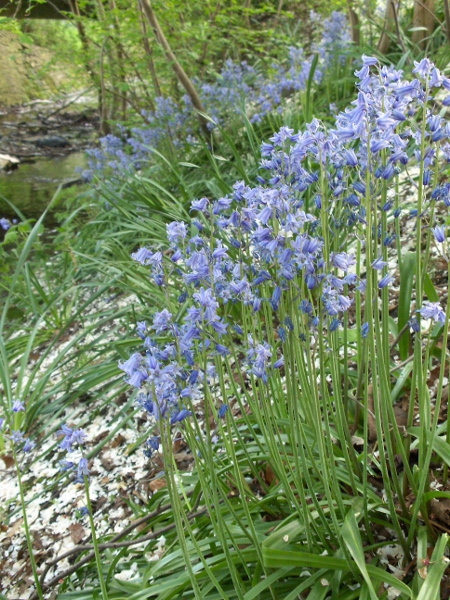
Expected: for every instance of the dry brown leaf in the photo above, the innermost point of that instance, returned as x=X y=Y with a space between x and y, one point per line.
x=441 y=509
x=107 y=464
x=270 y=476
x=14 y=528
x=118 y=441
x=157 y=484
x=8 y=460
x=77 y=532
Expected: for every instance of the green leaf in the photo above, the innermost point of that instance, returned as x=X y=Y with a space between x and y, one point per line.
x=400 y=383
x=265 y=583
x=407 y=270
x=429 y=289
x=352 y=538
x=431 y=588
x=188 y=164
x=25 y=39
x=440 y=445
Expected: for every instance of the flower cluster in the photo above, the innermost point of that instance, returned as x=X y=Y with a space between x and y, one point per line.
x=237 y=87
x=5 y=224
x=73 y=440
x=16 y=436
x=280 y=255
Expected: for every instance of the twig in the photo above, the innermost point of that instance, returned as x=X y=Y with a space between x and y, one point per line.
x=107 y=545
x=118 y=536
x=400 y=335
x=44 y=119
x=399 y=35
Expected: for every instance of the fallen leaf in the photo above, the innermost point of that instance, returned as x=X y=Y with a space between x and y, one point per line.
x=77 y=532
x=107 y=464
x=118 y=441
x=157 y=484
x=15 y=527
x=8 y=460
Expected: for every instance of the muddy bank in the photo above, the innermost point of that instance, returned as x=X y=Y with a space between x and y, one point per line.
x=24 y=72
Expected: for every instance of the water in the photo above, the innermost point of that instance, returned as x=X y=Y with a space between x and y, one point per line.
x=31 y=187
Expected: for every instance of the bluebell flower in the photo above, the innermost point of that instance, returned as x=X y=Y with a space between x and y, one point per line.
x=5 y=224
x=82 y=470
x=17 y=436
x=389 y=239
x=439 y=234
x=141 y=328
x=222 y=411
x=161 y=321
x=179 y=416
x=176 y=231
x=289 y=324
x=222 y=350
x=276 y=297
x=432 y=310
x=364 y=330
x=71 y=437
x=282 y=334
x=361 y=287
x=378 y=263
x=151 y=446
x=142 y=255
x=422 y=68
x=18 y=406
x=334 y=325
x=306 y=307
x=415 y=325
x=342 y=260
x=387 y=280
x=66 y=465
x=279 y=363
x=28 y=446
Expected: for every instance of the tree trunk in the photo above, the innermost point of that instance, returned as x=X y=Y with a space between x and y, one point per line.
x=447 y=20
x=112 y=108
x=120 y=56
x=90 y=68
x=388 y=27
x=354 y=23
x=424 y=22
x=149 y=54
x=176 y=66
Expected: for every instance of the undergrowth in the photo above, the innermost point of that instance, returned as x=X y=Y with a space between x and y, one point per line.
x=294 y=352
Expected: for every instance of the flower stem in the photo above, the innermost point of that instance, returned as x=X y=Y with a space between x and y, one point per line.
x=94 y=541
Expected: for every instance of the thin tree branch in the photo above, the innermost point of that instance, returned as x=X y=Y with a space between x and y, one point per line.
x=113 y=543
x=447 y=20
x=176 y=66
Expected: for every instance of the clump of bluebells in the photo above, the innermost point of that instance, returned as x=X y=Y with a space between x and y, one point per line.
x=5 y=224
x=238 y=87
x=10 y=429
x=73 y=440
x=285 y=285
x=279 y=244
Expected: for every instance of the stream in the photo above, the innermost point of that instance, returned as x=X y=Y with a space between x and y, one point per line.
x=31 y=186
x=49 y=138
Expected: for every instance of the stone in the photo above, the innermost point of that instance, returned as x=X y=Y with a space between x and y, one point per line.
x=54 y=141
x=8 y=163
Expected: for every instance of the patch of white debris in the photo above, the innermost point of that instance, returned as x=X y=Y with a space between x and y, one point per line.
x=117 y=473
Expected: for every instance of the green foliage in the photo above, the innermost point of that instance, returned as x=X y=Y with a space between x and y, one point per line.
x=232 y=524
